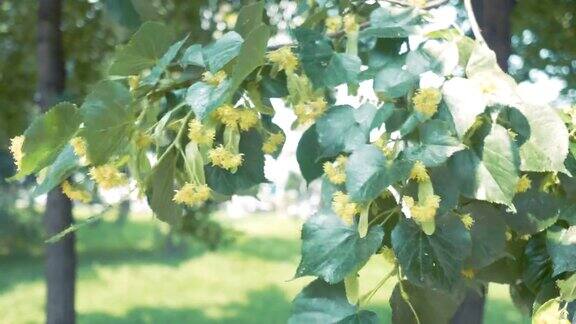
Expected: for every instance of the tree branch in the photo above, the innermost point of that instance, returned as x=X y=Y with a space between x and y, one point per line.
x=431 y=4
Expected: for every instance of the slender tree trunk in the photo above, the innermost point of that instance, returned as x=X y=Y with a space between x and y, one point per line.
x=494 y=19
x=60 y=269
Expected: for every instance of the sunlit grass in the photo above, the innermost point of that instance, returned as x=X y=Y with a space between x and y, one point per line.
x=125 y=276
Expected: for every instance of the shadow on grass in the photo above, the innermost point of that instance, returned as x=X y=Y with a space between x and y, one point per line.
x=268 y=305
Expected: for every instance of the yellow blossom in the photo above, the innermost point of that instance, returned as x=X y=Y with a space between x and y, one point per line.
x=75 y=193
x=425 y=210
x=419 y=173
x=389 y=255
x=247 y=118
x=508 y=235
x=16 y=144
x=468 y=273
x=382 y=144
x=350 y=24
x=214 y=79
x=200 y=134
x=228 y=115
x=426 y=101
x=333 y=24
x=143 y=140
x=192 y=194
x=273 y=142
x=467 y=220
x=284 y=58
x=523 y=184
x=107 y=176
x=336 y=171
x=225 y=159
x=309 y=111
x=134 y=82
x=79 y=145
x=343 y=207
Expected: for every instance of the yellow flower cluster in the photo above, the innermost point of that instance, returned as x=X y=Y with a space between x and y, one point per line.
x=336 y=171
x=467 y=220
x=107 y=176
x=79 y=146
x=273 y=142
x=16 y=144
x=419 y=173
x=75 y=193
x=426 y=101
x=224 y=159
x=192 y=194
x=468 y=273
x=133 y=82
x=382 y=144
x=230 y=116
x=343 y=207
x=350 y=24
x=214 y=78
x=388 y=255
x=143 y=140
x=248 y=118
x=423 y=211
x=523 y=184
x=200 y=134
x=284 y=58
x=333 y=24
x=308 y=112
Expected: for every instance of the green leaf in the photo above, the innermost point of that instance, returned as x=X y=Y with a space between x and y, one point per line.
x=123 y=13
x=488 y=234
x=143 y=50
x=537 y=265
x=46 y=137
x=567 y=288
x=205 y=98
x=561 y=244
x=465 y=101
x=308 y=155
x=535 y=211
x=332 y=249
x=362 y=317
x=438 y=143
x=222 y=51
x=62 y=168
x=193 y=56
x=320 y=302
x=249 y=17
x=161 y=191
x=339 y=132
x=365 y=115
x=431 y=306
x=315 y=53
x=160 y=67
x=435 y=260
x=108 y=120
x=251 y=55
x=547 y=147
x=489 y=171
x=446 y=186
x=368 y=173
x=392 y=22
x=343 y=68
x=249 y=174
x=394 y=82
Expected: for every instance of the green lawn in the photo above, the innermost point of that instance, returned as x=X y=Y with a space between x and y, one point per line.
x=125 y=277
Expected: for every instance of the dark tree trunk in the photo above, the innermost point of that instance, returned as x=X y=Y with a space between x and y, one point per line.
x=494 y=19
x=60 y=267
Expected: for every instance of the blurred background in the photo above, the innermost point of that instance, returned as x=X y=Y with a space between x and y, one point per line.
x=230 y=263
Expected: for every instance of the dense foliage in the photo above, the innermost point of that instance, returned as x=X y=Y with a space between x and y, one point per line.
x=449 y=175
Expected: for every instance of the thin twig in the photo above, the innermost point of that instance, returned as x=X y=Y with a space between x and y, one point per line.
x=473 y=22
